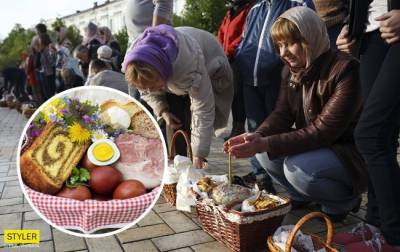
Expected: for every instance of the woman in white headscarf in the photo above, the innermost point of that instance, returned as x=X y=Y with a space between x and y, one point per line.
x=317 y=160
x=92 y=39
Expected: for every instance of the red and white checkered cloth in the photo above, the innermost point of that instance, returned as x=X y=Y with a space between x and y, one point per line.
x=90 y=215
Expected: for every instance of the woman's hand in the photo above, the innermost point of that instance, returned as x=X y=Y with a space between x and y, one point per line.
x=343 y=41
x=390 y=26
x=245 y=145
x=171 y=120
x=199 y=162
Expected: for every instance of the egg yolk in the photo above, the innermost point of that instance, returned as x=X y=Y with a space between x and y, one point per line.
x=103 y=152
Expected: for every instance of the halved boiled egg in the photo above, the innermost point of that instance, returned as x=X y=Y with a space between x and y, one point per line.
x=103 y=152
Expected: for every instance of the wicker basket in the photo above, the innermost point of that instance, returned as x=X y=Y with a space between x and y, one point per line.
x=248 y=231
x=169 y=190
x=11 y=104
x=318 y=242
x=90 y=215
x=17 y=106
x=28 y=112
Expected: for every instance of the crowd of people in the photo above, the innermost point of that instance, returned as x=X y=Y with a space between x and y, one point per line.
x=48 y=67
x=315 y=81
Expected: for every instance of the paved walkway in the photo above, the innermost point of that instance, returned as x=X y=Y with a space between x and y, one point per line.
x=164 y=229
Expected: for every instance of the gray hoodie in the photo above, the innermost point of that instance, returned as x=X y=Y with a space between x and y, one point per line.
x=108 y=78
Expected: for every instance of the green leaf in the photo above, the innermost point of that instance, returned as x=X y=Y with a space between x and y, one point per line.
x=78 y=177
x=85 y=175
x=75 y=172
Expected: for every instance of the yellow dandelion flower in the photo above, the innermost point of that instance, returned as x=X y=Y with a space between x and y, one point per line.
x=78 y=134
x=52 y=110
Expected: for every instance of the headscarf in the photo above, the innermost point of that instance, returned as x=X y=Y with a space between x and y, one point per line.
x=312 y=28
x=91 y=33
x=157 y=47
x=107 y=33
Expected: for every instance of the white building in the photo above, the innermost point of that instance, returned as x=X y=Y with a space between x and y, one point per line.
x=110 y=13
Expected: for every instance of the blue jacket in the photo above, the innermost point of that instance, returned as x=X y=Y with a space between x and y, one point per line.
x=256 y=57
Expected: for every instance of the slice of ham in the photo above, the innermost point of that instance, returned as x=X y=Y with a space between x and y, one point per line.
x=141 y=159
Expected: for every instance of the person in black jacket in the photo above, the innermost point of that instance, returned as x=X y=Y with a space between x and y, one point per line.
x=15 y=77
x=374 y=28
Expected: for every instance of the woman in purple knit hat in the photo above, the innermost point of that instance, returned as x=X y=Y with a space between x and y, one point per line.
x=183 y=61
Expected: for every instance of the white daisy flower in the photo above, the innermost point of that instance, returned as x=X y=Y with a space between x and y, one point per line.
x=99 y=135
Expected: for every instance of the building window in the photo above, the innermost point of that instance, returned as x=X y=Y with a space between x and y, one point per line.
x=104 y=20
x=118 y=23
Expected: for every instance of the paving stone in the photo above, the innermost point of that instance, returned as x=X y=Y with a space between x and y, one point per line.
x=28 y=216
x=150 y=219
x=15 y=208
x=2 y=184
x=10 y=221
x=181 y=240
x=210 y=246
x=314 y=226
x=341 y=229
x=197 y=221
x=178 y=221
x=182 y=250
x=104 y=244
x=141 y=233
x=1 y=241
x=13 y=183
x=8 y=178
x=12 y=172
x=46 y=246
x=11 y=201
x=45 y=231
x=161 y=200
x=350 y=220
x=4 y=168
x=141 y=246
x=12 y=192
x=361 y=214
x=161 y=208
x=290 y=219
x=66 y=242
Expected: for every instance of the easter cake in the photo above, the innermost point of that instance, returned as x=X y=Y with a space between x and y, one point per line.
x=48 y=163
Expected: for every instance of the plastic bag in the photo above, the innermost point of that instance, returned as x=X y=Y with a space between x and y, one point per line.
x=302 y=241
x=185 y=198
x=175 y=168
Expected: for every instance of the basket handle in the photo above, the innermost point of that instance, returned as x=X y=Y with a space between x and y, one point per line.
x=306 y=218
x=172 y=149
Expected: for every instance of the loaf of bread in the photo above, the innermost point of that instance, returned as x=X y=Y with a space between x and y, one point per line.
x=142 y=125
x=225 y=194
x=48 y=162
x=130 y=107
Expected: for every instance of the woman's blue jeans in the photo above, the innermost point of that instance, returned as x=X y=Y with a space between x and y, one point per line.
x=317 y=176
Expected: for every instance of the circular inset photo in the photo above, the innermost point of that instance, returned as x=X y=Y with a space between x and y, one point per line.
x=91 y=161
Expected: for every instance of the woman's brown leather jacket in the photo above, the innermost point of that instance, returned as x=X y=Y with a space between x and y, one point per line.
x=324 y=106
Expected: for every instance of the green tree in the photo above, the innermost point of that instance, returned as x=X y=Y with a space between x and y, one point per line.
x=203 y=14
x=57 y=24
x=122 y=39
x=17 y=41
x=74 y=35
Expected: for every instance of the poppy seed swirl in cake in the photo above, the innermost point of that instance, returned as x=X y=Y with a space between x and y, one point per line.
x=47 y=164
